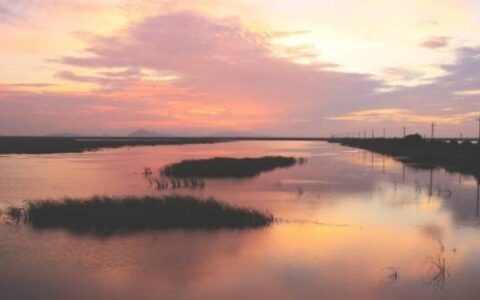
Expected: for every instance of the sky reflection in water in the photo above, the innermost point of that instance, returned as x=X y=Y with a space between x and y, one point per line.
x=351 y=224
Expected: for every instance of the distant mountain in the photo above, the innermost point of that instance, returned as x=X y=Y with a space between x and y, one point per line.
x=146 y=133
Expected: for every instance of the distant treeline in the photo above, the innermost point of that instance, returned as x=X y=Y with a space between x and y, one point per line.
x=47 y=145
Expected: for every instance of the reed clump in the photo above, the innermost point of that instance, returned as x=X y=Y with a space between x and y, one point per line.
x=116 y=214
x=225 y=167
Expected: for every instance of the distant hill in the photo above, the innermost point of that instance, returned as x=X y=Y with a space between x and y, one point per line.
x=146 y=133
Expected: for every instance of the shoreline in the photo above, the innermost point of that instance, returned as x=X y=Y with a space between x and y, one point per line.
x=55 y=145
x=451 y=156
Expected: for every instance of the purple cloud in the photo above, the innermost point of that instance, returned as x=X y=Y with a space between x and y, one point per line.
x=435 y=42
x=453 y=90
x=224 y=61
x=225 y=76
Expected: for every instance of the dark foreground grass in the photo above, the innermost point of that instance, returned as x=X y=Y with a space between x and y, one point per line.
x=111 y=214
x=224 y=167
x=413 y=149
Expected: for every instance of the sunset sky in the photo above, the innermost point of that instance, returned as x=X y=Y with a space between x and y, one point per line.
x=202 y=67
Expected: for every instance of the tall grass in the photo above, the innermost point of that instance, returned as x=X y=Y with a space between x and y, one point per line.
x=112 y=214
x=225 y=167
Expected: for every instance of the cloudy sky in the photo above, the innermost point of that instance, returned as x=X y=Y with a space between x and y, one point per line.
x=201 y=67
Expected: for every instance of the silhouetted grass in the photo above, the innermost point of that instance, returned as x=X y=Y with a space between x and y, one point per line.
x=15 y=213
x=45 y=145
x=224 y=167
x=455 y=157
x=111 y=214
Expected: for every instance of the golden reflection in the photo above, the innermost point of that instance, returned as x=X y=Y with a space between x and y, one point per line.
x=346 y=236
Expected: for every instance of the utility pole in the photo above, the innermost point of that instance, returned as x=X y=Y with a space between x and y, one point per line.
x=404 y=131
x=433 y=126
x=373 y=134
x=384 y=133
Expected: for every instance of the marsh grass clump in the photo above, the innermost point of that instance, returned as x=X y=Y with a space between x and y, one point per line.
x=112 y=214
x=15 y=213
x=165 y=183
x=225 y=167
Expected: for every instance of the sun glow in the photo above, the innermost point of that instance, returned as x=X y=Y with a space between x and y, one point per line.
x=223 y=58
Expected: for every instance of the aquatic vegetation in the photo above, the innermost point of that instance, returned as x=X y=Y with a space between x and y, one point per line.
x=117 y=214
x=391 y=275
x=147 y=171
x=300 y=191
x=224 y=167
x=437 y=272
x=165 y=183
x=15 y=213
x=437 y=266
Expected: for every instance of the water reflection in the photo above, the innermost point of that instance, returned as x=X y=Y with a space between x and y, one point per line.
x=442 y=189
x=437 y=265
x=437 y=271
x=478 y=198
x=391 y=275
x=352 y=225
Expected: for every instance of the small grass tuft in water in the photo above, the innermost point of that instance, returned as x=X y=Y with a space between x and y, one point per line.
x=224 y=167
x=15 y=213
x=117 y=214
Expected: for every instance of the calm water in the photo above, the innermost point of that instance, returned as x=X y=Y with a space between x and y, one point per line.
x=352 y=225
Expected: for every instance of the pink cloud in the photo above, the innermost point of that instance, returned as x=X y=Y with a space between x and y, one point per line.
x=226 y=76
x=435 y=42
x=225 y=63
x=216 y=56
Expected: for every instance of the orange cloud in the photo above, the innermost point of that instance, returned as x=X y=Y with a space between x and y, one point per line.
x=191 y=66
x=404 y=115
